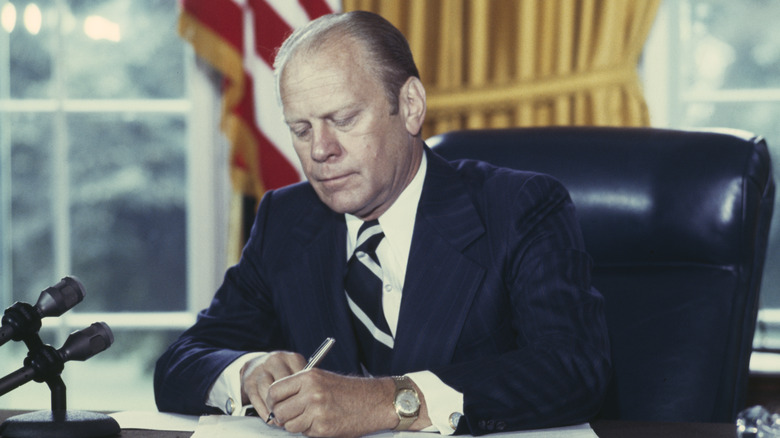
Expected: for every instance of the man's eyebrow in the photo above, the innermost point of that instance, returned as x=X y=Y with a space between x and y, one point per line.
x=347 y=111
x=293 y=122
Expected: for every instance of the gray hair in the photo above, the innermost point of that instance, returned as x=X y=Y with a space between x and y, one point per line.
x=386 y=47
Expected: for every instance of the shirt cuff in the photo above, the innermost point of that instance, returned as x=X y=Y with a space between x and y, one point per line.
x=225 y=392
x=444 y=403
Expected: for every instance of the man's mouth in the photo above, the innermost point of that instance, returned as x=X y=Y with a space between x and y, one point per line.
x=334 y=180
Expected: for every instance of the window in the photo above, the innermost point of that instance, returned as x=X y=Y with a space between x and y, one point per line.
x=105 y=173
x=715 y=63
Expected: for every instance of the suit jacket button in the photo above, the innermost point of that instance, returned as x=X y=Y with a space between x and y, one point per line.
x=500 y=426
x=481 y=424
x=491 y=425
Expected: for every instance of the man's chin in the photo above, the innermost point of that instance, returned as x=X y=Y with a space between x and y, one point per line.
x=349 y=206
x=342 y=204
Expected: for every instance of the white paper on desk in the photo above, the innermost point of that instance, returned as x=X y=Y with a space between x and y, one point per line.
x=575 y=431
x=152 y=420
x=255 y=427
x=211 y=426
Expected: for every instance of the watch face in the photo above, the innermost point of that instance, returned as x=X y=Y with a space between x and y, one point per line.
x=407 y=402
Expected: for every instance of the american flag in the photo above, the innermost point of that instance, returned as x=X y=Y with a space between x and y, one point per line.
x=239 y=38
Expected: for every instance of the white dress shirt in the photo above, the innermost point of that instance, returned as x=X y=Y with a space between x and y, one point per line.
x=393 y=252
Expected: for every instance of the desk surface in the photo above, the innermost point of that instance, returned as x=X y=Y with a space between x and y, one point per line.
x=636 y=429
x=604 y=429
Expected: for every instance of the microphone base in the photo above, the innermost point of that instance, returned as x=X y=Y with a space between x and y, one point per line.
x=59 y=424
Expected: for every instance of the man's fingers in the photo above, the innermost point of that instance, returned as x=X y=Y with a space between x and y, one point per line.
x=281 y=390
x=297 y=400
x=259 y=374
x=259 y=404
x=255 y=385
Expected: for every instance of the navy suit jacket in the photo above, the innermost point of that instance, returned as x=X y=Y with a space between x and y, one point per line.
x=497 y=300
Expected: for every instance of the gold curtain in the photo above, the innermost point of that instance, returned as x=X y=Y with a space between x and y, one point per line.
x=501 y=63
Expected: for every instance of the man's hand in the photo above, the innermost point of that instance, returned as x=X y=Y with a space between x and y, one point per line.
x=321 y=403
x=260 y=373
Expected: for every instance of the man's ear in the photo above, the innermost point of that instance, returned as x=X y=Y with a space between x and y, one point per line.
x=412 y=105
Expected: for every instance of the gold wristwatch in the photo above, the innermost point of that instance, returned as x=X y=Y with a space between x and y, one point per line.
x=406 y=402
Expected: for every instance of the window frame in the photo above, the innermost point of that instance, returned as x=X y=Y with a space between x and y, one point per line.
x=207 y=199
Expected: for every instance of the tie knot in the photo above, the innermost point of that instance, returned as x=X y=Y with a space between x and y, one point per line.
x=369 y=236
x=368 y=225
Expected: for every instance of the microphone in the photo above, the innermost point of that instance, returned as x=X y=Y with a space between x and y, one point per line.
x=22 y=320
x=63 y=296
x=46 y=362
x=85 y=343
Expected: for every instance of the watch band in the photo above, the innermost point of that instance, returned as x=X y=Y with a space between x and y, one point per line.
x=403 y=385
x=405 y=423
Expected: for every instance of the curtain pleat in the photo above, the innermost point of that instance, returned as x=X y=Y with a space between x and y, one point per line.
x=501 y=63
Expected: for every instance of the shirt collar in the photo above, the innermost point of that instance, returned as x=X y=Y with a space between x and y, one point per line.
x=398 y=221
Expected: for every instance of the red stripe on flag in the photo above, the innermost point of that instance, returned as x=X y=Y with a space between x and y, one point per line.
x=270 y=30
x=274 y=167
x=315 y=8
x=222 y=16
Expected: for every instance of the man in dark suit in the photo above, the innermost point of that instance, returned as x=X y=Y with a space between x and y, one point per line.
x=487 y=321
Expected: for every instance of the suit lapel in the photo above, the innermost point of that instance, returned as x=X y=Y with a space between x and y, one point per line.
x=441 y=281
x=321 y=235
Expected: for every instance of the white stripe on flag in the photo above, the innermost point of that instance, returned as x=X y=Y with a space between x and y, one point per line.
x=268 y=113
x=291 y=12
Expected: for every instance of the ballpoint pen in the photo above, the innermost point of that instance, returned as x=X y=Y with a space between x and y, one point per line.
x=314 y=360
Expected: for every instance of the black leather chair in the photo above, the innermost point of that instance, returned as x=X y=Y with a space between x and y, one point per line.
x=677 y=225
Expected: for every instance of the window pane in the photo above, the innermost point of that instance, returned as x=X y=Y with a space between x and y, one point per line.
x=759 y=118
x=111 y=48
x=31 y=44
x=732 y=44
x=128 y=210
x=31 y=207
x=124 y=49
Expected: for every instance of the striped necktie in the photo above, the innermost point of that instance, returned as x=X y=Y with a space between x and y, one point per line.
x=363 y=286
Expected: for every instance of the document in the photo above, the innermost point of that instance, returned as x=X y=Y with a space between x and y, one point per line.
x=209 y=426
x=254 y=427
x=153 y=420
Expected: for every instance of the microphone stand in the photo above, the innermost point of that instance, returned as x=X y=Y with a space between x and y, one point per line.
x=44 y=364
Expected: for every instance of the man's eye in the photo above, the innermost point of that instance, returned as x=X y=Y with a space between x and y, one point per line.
x=300 y=133
x=341 y=123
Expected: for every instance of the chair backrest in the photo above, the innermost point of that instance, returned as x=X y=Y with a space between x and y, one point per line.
x=677 y=224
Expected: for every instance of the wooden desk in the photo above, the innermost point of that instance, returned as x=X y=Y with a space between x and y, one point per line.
x=641 y=429
x=604 y=429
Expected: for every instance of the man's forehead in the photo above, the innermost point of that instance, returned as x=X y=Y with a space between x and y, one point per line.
x=313 y=79
x=328 y=73
x=335 y=49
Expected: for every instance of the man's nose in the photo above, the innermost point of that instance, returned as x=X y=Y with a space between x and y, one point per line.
x=324 y=144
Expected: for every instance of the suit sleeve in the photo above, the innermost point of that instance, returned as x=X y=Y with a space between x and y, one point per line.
x=239 y=320
x=555 y=368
